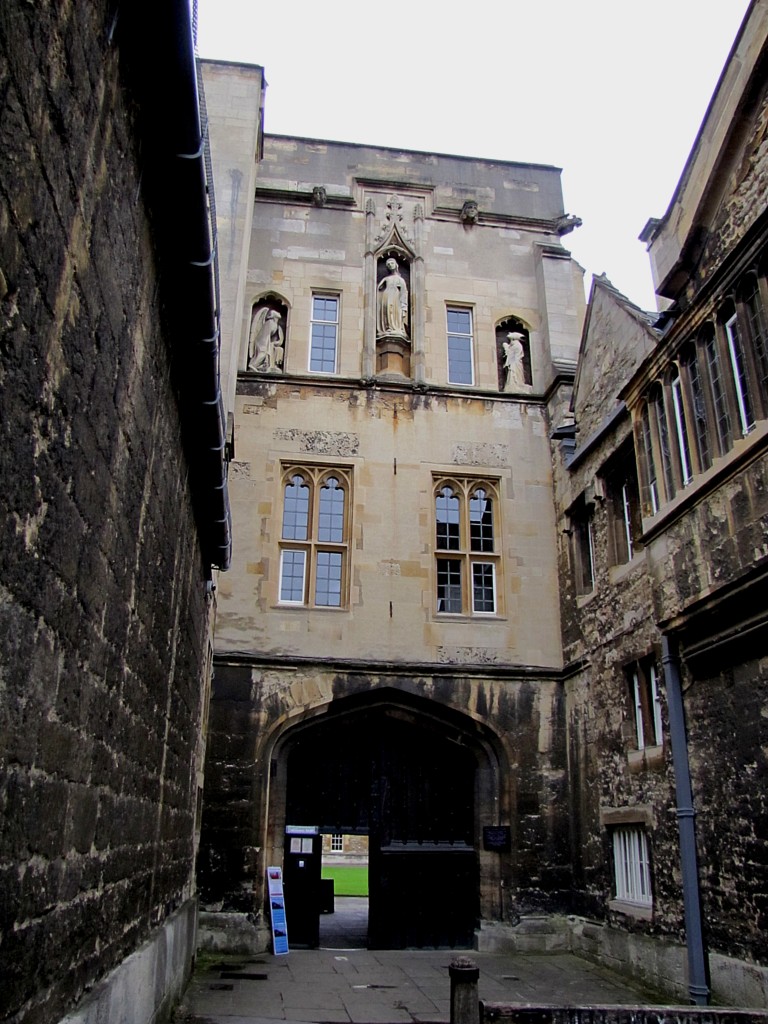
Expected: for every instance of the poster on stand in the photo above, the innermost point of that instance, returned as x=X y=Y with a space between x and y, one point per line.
x=277 y=910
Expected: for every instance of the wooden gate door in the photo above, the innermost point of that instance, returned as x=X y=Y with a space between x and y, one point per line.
x=423 y=869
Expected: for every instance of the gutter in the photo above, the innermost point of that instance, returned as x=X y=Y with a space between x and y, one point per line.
x=158 y=66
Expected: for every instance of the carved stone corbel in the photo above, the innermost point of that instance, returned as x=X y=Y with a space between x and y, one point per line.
x=567 y=223
x=470 y=212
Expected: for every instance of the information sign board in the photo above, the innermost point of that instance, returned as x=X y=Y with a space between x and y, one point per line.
x=277 y=910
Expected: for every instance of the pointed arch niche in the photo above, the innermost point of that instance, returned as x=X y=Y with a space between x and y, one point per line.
x=394 y=294
x=267 y=334
x=513 y=355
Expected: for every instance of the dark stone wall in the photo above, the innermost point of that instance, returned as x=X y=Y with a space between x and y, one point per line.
x=720 y=538
x=745 y=177
x=727 y=715
x=717 y=544
x=103 y=618
x=603 y=632
x=704 y=572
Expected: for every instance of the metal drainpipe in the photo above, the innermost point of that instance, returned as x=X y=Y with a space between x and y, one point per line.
x=698 y=986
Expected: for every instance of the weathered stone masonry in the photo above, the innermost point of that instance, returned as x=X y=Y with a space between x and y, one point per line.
x=103 y=615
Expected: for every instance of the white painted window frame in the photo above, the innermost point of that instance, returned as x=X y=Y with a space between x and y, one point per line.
x=470 y=341
x=632 y=869
x=335 y=323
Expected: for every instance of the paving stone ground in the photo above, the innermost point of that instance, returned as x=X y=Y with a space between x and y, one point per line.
x=352 y=985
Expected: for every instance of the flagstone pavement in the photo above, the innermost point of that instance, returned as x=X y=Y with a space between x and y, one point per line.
x=346 y=983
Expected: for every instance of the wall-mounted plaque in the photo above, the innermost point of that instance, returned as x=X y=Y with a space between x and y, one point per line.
x=497 y=837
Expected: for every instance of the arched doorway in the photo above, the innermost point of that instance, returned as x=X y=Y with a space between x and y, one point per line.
x=407 y=780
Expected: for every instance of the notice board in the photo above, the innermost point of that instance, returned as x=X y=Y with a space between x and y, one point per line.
x=277 y=911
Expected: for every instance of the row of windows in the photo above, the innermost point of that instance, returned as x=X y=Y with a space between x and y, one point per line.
x=631 y=862
x=619 y=493
x=324 y=341
x=713 y=393
x=324 y=337
x=315 y=535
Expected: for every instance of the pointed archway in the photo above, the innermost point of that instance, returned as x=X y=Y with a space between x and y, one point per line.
x=415 y=780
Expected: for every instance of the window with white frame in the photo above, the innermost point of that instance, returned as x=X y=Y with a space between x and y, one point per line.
x=645 y=694
x=691 y=372
x=715 y=391
x=661 y=426
x=632 y=869
x=739 y=367
x=623 y=497
x=337 y=843
x=756 y=324
x=460 y=360
x=314 y=542
x=324 y=334
x=650 y=483
x=683 y=448
x=466 y=547
x=582 y=545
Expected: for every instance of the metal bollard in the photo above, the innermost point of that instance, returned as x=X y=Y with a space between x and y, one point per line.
x=465 y=1006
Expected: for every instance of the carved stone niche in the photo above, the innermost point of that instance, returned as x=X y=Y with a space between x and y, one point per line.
x=513 y=355
x=267 y=333
x=393 y=311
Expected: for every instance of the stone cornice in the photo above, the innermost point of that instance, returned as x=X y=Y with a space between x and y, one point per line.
x=509 y=671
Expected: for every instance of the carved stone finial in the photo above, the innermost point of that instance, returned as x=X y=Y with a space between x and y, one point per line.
x=395 y=208
x=319 y=195
x=565 y=224
x=393 y=220
x=370 y=206
x=470 y=212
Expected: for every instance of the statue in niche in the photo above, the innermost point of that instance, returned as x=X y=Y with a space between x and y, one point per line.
x=392 y=304
x=513 y=354
x=265 y=342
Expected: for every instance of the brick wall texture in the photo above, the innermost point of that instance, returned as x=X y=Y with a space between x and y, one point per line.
x=103 y=619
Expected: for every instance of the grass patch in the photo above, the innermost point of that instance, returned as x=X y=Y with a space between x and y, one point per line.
x=347 y=881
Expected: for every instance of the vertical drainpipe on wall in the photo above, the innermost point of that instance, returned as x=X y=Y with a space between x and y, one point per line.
x=698 y=986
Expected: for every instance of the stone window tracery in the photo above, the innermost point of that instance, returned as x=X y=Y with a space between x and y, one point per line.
x=467 y=560
x=314 y=542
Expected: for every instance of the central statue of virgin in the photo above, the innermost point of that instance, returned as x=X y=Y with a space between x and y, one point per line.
x=392 y=304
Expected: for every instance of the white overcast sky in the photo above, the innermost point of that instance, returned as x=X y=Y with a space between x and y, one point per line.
x=612 y=91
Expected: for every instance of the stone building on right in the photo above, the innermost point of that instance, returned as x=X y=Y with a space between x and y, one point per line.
x=662 y=497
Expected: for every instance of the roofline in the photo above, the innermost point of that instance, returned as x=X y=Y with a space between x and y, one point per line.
x=658 y=226
x=601 y=281
x=232 y=63
x=415 y=152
